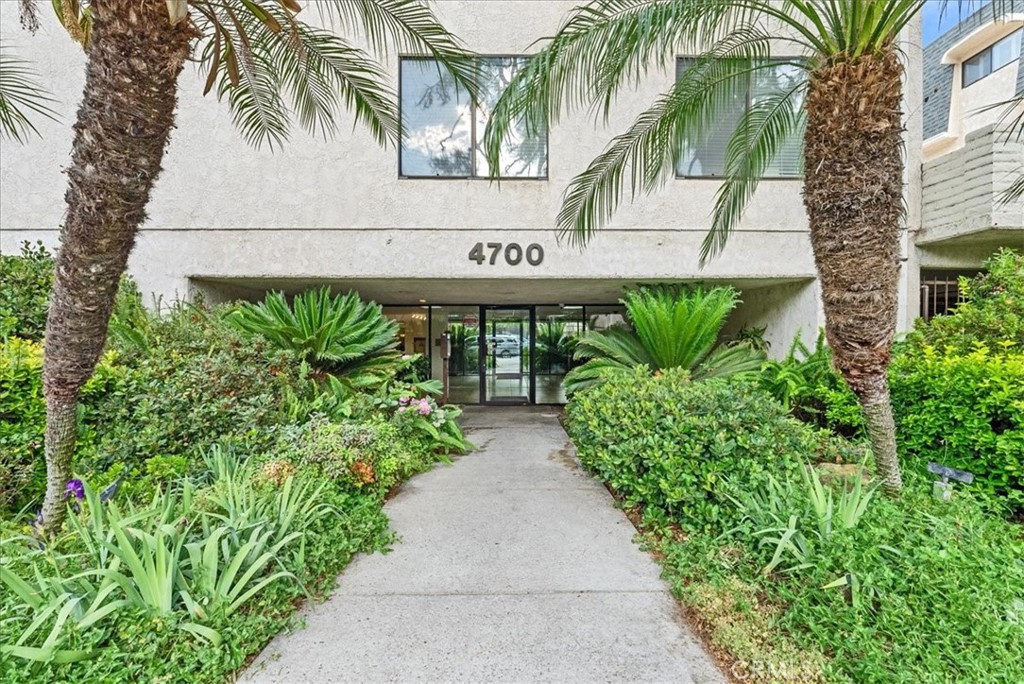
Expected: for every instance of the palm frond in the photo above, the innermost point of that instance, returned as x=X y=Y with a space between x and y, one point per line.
x=1015 y=192
x=763 y=129
x=729 y=360
x=406 y=26
x=650 y=149
x=20 y=98
x=591 y=374
x=601 y=47
x=238 y=54
x=324 y=73
x=615 y=345
x=340 y=334
x=276 y=71
x=678 y=329
x=608 y=45
x=672 y=328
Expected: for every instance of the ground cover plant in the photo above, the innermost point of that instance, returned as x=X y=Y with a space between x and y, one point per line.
x=779 y=543
x=219 y=481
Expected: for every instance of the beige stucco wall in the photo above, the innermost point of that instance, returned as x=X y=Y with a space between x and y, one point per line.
x=962 y=191
x=338 y=210
x=973 y=107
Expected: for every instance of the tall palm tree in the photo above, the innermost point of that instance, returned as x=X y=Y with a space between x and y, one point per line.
x=273 y=70
x=844 y=100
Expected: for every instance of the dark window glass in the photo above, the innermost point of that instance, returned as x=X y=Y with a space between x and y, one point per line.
x=443 y=128
x=704 y=151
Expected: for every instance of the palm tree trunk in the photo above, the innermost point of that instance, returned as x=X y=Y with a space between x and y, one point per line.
x=853 y=193
x=133 y=60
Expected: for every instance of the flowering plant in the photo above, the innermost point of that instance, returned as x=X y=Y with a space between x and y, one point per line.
x=423 y=414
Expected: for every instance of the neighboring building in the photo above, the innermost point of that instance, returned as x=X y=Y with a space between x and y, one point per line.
x=973 y=149
x=420 y=231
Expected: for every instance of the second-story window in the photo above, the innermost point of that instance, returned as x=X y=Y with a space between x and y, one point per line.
x=705 y=151
x=996 y=56
x=443 y=129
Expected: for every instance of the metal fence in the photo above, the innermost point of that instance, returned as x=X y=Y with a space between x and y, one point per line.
x=940 y=291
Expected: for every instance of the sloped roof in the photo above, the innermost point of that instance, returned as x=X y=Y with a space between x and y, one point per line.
x=937 y=78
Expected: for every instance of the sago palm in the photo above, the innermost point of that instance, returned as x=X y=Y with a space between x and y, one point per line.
x=670 y=329
x=843 y=94
x=273 y=70
x=341 y=334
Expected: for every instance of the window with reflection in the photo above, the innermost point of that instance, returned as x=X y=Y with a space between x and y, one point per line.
x=443 y=128
x=704 y=151
x=992 y=58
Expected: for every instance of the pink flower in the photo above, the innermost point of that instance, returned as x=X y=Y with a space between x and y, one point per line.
x=424 y=407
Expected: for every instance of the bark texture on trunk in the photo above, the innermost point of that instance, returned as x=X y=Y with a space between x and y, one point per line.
x=853 y=193
x=124 y=122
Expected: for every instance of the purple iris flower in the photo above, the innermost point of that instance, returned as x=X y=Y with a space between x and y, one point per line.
x=76 y=489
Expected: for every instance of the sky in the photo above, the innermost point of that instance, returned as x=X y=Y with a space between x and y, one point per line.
x=937 y=21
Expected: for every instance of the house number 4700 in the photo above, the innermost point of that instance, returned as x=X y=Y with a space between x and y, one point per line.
x=513 y=251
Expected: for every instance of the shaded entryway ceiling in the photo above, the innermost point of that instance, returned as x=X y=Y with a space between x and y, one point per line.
x=412 y=291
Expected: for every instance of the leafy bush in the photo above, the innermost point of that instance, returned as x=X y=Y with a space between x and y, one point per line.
x=918 y=591
x=25 y=282
x=807 y=384
x=343 y=335
x=358 y=456
x=992 y=313
x=414 y=411
x=221 y=526
x=966 y=411
x=23 y=417
x=805 y=575
x=681 y=448
x=671 y=329
x=198 y=381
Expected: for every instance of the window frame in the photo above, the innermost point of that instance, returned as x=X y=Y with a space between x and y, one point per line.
x=473 y=175
x=990 y=51
x=749 y=97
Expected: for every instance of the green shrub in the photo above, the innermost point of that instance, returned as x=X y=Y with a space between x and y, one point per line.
x=964 y=411
x=919 y=591
x=992 y=313
x=819 y=576
x=25 y=282
x=23 y=417
x=682 y=448
x=22 y=422
x=358 y=456
x=807 y=384
x=339 y=334
x=181 y=588
x=196 y=382
x=671 y=328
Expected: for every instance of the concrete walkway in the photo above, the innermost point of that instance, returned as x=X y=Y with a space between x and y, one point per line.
x=514 y=566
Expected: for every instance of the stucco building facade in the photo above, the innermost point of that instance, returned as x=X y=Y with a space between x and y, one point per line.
x=973 y=150
x=402 y=226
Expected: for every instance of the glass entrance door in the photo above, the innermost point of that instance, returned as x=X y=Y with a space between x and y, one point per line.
x=507 y=340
